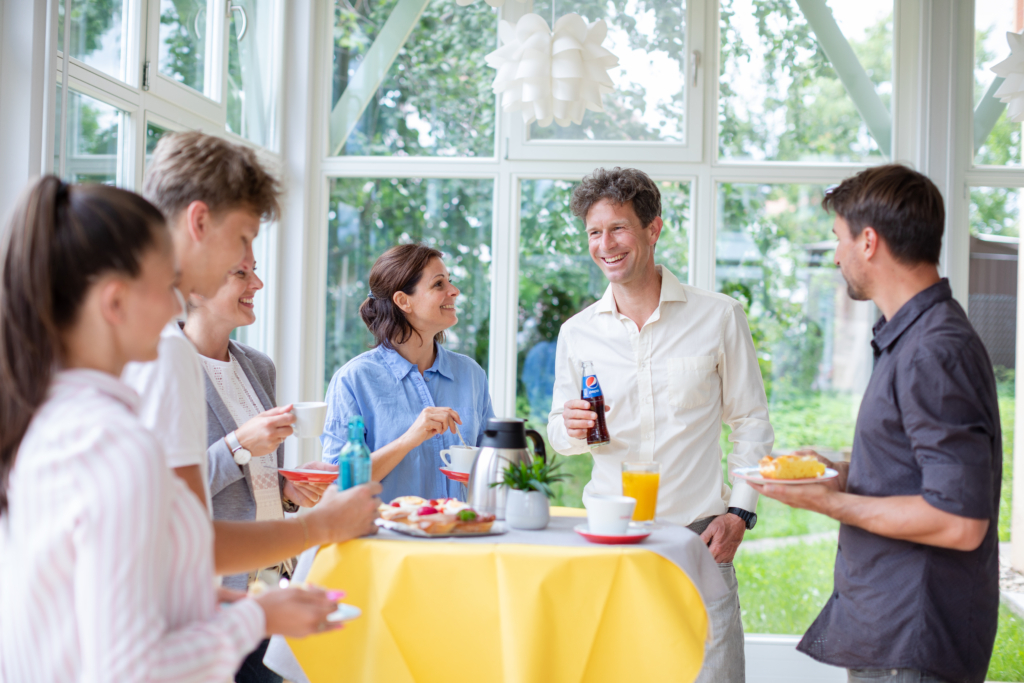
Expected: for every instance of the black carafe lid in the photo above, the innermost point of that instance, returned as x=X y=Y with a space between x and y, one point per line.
x=504 y=433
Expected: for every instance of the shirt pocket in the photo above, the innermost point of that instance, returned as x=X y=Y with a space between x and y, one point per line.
x=691 y=381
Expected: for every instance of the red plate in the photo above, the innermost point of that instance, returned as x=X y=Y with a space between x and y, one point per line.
x=631 y=536
x=313 y=476
x=461 y=477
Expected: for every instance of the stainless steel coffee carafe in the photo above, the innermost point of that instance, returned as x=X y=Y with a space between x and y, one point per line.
x=504 y=443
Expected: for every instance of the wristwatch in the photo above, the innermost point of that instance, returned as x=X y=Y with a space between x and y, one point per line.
x=749 y=518
x=241 y=455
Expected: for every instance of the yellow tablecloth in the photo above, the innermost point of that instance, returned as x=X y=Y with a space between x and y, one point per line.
x=452 y=612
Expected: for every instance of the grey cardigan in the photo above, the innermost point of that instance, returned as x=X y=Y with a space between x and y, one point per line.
x=231 y=484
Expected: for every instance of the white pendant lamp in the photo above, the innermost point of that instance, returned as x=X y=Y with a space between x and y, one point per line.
x=1012 y=70
x=552 y=75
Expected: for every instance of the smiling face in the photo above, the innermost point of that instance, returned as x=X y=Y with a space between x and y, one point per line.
x=431 y=306
x=234 y=302
x=621 y=247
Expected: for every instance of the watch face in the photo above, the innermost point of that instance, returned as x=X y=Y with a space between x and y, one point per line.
x=242 y=456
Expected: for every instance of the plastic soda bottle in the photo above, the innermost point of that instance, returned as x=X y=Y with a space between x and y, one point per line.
x=591 y=392
x=354 y=459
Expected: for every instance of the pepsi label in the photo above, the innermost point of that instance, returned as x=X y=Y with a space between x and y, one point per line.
x=591 y=388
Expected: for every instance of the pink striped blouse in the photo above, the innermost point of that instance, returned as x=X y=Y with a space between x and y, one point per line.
x=106 y=558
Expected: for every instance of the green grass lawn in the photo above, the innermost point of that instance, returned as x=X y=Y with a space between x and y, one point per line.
x=783 y=590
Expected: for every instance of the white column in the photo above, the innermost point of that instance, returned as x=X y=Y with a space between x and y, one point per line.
x=24 y=76
x=298 y=339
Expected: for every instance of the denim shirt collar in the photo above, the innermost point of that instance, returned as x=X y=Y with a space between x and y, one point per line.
x=888 y=332
x=400 y=367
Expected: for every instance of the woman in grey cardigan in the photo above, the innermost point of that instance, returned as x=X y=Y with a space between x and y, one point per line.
x=245 y=430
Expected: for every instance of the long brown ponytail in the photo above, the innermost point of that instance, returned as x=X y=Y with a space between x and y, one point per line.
x=59 y=240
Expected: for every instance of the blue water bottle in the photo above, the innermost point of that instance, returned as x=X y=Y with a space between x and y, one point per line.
x=354 y=459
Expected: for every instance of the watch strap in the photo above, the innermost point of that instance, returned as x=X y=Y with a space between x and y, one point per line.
x=749 y=518
x=232 y=442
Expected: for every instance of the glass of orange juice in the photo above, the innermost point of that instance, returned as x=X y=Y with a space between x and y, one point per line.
x=640 y=481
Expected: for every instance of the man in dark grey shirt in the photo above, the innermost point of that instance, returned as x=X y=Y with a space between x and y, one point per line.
x=916 y=580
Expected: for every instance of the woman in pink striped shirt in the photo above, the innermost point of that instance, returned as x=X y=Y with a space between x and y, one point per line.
x=106 y=558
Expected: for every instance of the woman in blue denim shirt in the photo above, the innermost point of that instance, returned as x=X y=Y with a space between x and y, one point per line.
x=410 y=390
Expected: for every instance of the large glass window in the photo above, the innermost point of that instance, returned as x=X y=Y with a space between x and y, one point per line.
x=369 y=215
x=557 y=279
x=649 y=38
x=184 y=46
x=781 y=98
x=93 y=141
x=251 y=51
x=436 y=98
x=774 y=253
x=992 y=307
x=96 y=34
x=997 y=139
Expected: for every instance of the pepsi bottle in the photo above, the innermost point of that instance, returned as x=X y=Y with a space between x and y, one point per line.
x=591 y=392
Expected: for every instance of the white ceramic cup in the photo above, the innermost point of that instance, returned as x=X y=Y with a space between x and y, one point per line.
x=609 y=515
x=459 y=458
x=309 y=419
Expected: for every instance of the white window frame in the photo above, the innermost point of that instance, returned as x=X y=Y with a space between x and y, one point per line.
x=562 y=160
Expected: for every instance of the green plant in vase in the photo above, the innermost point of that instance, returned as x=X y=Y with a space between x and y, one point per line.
x=528 y=505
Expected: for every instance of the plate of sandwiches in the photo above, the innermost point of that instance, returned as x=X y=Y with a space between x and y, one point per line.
x=787 y=469
x=436 y=518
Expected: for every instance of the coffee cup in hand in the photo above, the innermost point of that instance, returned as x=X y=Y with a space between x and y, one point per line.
x=459 y=458
x=309 y=419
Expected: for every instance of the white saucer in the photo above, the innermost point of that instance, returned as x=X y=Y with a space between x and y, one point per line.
x=344 y=613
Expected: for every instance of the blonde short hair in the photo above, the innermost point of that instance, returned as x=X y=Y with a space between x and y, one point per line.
x=193 y=166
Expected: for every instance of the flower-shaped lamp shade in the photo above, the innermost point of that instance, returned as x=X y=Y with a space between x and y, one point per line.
x=1012 y=70
x=552 y=75
x=492 y=3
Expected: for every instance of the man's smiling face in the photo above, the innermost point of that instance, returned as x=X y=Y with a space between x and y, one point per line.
x=621 y=247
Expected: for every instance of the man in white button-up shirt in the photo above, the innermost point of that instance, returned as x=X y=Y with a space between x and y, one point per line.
x=674 y=363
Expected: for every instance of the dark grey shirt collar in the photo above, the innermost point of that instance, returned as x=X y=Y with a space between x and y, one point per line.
x=888 y=332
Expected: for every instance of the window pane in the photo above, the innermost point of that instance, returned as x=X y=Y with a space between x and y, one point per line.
x=93 y=137
x=557 y=279
x=153 y=135
x=184 y=49
x=780 y=97
x=992 y=308
x=992 y=20
x=369 y=215
x=96 y=34
x=252 y=54
x=649 y=101
x=436 y=99
x=774 y=251
x=57 y=123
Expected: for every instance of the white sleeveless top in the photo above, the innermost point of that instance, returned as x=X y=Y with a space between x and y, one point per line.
x=242 y=402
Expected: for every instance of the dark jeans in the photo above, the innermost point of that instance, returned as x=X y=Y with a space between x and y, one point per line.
x=254 y=670
x=890 y=676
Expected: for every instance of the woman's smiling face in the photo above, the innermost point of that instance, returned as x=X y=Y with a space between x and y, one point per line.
x=233 y=302
x=431 y=307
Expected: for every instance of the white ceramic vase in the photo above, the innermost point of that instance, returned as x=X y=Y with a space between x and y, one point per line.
x=527 y=510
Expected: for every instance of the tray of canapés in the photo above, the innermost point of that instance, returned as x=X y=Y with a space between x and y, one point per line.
x=436 y=518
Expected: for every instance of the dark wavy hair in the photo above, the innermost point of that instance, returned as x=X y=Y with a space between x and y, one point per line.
x=903 y=206
x=399 y=269
x=61 y=238
x=621 y=186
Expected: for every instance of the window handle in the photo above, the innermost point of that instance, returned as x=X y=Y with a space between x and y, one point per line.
x=245 y=19
x=696 y=65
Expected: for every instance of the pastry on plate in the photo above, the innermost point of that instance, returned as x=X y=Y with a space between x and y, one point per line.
x=437 y=523
x=791 y=467
x=472 y=522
